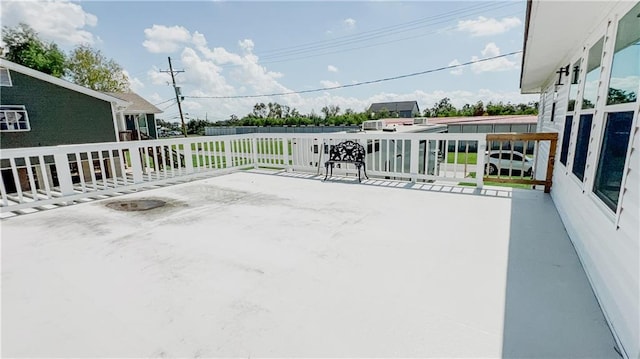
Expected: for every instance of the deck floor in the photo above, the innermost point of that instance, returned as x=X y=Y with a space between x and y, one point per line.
x=279 y=264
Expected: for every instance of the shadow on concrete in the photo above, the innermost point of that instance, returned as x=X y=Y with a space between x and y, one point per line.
x=550 y=308
x=390 y=183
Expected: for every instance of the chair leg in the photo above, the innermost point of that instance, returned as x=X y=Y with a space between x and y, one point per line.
x=326 y=171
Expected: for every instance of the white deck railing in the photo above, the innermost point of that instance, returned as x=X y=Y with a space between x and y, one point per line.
x=40 y=176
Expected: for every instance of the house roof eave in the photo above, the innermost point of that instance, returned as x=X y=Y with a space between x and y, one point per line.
x=62 y=83
x=544 y=51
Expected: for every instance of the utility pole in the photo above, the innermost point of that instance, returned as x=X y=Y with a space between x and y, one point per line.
x=178 y=95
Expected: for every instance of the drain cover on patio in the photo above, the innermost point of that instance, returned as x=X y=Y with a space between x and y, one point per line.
x=136 y=205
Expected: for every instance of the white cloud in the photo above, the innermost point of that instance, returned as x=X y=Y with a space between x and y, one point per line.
x=349 y=23
x=490 y=49
x=217 y=71
x=211 y=72
x=488 y=26
x=629 y=83
x=499 y=64
x=332 y=68
x=134 y=82
x=246 y=45
x=328 y=83
x=164 y=39
x=457 y=70
x=62 y=22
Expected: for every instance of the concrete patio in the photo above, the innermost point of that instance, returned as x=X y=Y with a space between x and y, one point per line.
x=274 y=264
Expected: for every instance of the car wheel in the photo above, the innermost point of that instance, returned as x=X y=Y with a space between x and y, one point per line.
x=491 y=169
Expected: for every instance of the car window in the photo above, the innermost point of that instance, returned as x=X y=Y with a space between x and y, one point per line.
x=517 y=157
x=506 y=156
x=495 y=155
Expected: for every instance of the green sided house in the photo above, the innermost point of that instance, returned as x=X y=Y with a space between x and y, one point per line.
x=37 y=109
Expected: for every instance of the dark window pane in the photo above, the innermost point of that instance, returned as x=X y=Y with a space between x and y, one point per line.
x=566 y=137
x=613 y=154
x=582 y=146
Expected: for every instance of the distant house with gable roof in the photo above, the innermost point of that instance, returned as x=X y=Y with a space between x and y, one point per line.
x=404 y=109
x=139 y=117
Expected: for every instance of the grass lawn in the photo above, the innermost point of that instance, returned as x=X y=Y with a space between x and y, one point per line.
x=499 y=184
x=468 y=158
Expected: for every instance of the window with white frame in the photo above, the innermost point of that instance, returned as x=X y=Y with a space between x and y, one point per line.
x=590 y=93
x=5 y=77
x=582 y=145
x=573 y=87
x=620 y=109
x=566 y=137
x=14 y=118
x=613 y=153
x=625 y=72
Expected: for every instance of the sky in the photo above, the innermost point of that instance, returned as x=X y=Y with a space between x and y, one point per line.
x=230 y=51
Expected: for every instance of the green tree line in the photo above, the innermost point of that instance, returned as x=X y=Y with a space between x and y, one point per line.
x=274 y=114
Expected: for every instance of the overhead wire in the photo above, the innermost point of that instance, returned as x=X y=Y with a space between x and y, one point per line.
x=360 y=83
x=377 y=33
x=165 y=101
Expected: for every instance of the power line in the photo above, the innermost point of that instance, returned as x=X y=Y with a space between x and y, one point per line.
x=165 y=101
x=344 y=43
x=169 y=105
x=353 y=48
x=383 y=31
x=361 y=83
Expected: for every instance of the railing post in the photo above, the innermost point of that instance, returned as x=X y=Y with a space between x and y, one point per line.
x=482 y=147
x=136 y=164
x=64 y=173
x=414 y=160
x=228 y=153
x=285 y=153
x=188 y=159
x=254 y=149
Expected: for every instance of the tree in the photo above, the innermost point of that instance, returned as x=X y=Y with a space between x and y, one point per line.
x=478 y=109
x=90 y=68
x=275 y=110
x=196 y=126
x=330 y=111
x=616 y=96
x=260 y=110
x=24 y=47
x=443 y=108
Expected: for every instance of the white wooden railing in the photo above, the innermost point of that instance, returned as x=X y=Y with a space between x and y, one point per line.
x=40 y=176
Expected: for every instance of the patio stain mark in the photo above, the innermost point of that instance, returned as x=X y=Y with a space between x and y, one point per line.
x=136 y=205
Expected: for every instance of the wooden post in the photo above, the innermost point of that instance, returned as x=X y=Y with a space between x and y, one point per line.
x=550 y=162
x=552 y=137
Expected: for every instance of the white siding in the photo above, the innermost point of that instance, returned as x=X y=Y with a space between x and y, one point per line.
x=608 y=243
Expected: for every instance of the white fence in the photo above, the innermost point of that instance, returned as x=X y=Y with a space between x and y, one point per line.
x=39 y=176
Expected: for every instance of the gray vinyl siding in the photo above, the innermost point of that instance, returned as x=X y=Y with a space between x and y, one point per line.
x=57 y=115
